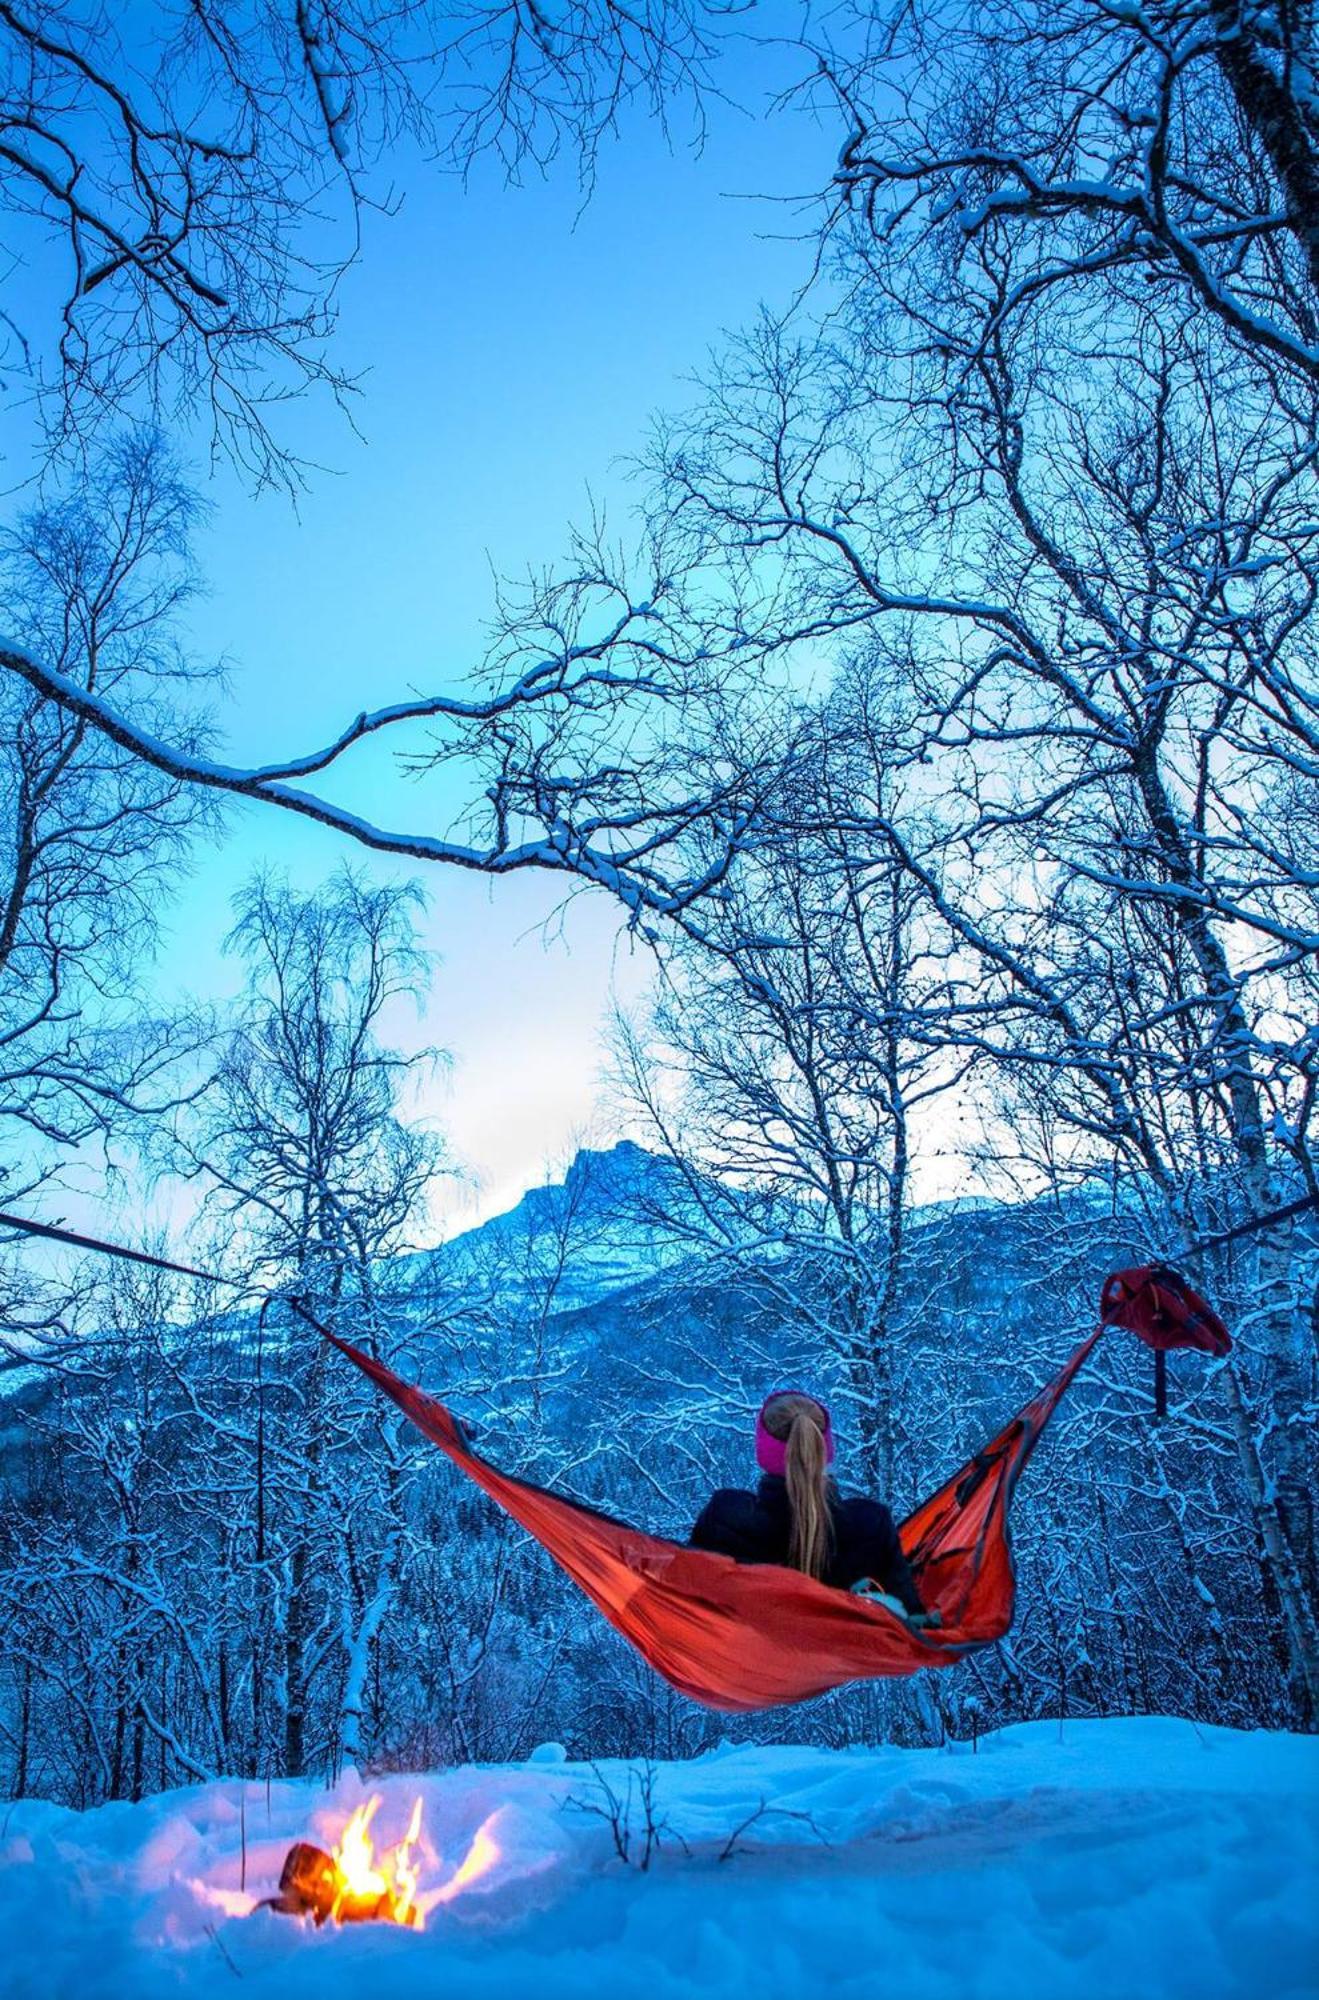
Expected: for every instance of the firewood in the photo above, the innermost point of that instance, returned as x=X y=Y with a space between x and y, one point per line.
x=308 y=1883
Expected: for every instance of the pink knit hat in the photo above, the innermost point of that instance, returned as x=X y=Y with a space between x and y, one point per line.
x=772 y=1452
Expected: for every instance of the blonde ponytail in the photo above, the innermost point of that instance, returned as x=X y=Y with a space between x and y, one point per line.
x=800 y=1422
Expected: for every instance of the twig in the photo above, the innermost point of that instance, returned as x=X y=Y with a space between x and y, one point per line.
x=223 y=1949
x=764 y=1811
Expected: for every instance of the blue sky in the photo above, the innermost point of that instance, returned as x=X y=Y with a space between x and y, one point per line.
x=514 y=344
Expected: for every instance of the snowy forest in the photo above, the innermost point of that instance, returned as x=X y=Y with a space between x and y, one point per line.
x=937 y=724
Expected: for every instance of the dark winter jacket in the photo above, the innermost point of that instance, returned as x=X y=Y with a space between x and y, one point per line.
x=757 y=1527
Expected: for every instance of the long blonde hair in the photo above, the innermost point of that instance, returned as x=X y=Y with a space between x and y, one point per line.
x=799 y=1421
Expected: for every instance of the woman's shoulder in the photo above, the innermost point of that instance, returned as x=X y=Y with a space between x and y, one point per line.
x=732 y=1522
x=862 y=1510
x=729 y=1502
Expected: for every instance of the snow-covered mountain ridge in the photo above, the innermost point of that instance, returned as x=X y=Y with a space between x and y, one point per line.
x=608 y=1224
x=623 y=1217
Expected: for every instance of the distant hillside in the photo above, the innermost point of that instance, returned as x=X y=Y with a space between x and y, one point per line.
x=602 y=1229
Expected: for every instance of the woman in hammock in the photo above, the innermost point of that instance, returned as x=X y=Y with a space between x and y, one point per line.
x=797 y=1518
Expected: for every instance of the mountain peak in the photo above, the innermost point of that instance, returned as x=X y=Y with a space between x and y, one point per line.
x=624 y=1160
x=607 y=1212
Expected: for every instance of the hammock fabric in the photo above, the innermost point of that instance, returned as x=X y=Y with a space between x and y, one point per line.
x=739 y=1636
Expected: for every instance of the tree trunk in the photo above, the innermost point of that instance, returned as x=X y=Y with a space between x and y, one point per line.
x=1279 y=1498
x=24 y=1733
x=1275 y=113
x=296 y=1635
x=1298 y=1617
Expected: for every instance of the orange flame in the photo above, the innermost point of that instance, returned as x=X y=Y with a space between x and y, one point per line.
x=390 y=1883
x=481 y=1858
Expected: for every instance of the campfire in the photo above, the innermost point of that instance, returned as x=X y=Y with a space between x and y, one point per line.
x=353 y=1885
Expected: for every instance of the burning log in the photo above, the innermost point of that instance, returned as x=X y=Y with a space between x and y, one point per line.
x=349 y=1886
x=309 y=1883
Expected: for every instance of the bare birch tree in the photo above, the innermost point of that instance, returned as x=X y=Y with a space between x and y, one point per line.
x=1051 y=470
x=789 y=1064
x=90 y=836
x=190 y=187
x=298 y=1145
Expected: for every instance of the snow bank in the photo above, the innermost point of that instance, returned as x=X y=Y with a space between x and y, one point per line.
x=1124 y=1858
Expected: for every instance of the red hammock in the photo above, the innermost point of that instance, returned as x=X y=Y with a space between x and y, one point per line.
x=746 y=1636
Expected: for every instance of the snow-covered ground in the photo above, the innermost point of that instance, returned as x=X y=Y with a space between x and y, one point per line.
x=1117 y=1859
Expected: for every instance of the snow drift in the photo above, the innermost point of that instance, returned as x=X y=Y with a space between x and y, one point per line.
x=1128 y=1858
